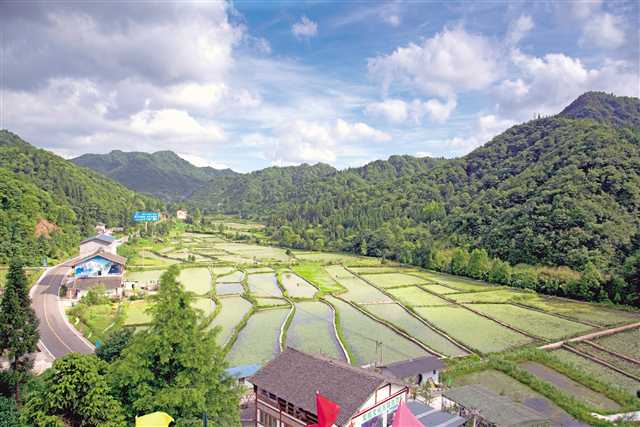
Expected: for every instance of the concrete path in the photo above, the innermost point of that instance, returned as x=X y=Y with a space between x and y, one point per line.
x=57 y=336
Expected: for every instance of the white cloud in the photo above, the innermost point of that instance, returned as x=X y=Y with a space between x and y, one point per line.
x=519 y=28
x=201 y=161
x=547 y=84
x=305 y=28
x=312 y=142
x=393 y=20
x=172 y=122
x=399 y=111
x=604 y=30
x=484 y=129
x=451 y=61
x=424 y=154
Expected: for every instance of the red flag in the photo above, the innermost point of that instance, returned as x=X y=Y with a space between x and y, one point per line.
x=327 y=411
x=404 y=417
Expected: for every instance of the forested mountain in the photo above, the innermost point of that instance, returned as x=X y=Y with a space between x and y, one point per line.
x=162 y=174
x=556 y=191
x=47 y=204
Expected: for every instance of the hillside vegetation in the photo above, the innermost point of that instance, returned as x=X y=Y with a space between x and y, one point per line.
x=36 y=185
x=162 y=174
x=556 y=191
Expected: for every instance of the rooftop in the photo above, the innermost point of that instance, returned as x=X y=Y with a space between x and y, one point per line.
x=295 y=376
x=496 y=409
x=413 y=367
x=431 y=417
x=100 y=252
x=109 y=282
x=104 y=238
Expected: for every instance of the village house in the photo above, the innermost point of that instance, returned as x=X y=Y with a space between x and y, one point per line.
x=487 y=409
x=104 y=242
x=101 y=228
x=181 y=214
x=416 y=371
x=98 y=268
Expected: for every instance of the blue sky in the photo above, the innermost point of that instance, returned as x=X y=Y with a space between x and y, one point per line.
x=248 y=85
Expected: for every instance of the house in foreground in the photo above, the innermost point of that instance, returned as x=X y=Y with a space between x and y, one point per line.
x=487 y=408
x=285 y=391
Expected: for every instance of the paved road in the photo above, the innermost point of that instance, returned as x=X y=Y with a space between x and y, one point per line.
x=57 y=336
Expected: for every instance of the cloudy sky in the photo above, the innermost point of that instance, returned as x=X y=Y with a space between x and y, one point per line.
x=252 y=84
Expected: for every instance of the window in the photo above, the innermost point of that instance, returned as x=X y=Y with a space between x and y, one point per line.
x=267 y=420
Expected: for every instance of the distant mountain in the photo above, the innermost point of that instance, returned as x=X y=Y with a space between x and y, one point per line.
x=48 y=203
x=163 y=174
x=561 y=190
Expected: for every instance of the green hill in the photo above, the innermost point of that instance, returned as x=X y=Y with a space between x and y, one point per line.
x=162 y=174
x=556 y=191
x=49 y=204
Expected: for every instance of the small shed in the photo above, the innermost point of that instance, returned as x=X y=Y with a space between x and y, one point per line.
x=416 y=371
x=489 y=408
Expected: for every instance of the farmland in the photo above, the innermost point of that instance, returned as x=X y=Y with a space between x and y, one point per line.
x=366 y=311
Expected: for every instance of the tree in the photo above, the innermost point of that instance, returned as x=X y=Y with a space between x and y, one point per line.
x=114 y=344
x=459 y=261
x=18 y=325
x=75 y=393
x=175 y=365
x=479 y=264
x=500 y=272
x=9 y=415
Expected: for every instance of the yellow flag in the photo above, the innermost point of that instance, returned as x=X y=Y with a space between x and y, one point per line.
x=156 y=419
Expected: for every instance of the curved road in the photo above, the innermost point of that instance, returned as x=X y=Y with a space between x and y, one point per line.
x=57 y=336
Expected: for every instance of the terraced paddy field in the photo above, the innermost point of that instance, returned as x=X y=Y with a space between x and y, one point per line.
x=334 y=258
x=533 y=322
x=196 y=280
x=393 y=280
x=254 y=251
x=232 y=310
x=361 y=333
x=205 y=305
x=259 y=270
x=380 y=270
x=258 y=342
x=589 y=313
x=269 y=302
x=439 y=289
x=312 y=330
x=475 y=331
x=618 y=362
x=459 y=283
x=602 y=373
x=221 y=272
x=296 y=286
x=502 y=295
x=416 y=296
x=264 y=284
x=626 y=343
x=504 y=385
x=399 y=317
x=229 y=288
x=357 y=289
x=146 y=276
x=570 y=387
x=150 y=259
x=234 y=276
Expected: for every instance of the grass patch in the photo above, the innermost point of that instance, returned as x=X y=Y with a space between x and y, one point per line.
x=626 y=343
x=136 y=313
x=616 y=361
x=471 y=329
x=460 y=283
x=591 y=313
x=502 y=295
x=439 y=289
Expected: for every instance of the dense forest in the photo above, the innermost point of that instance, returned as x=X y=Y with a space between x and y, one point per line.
x=48 y=204
x=555 y=191
x=163 y=174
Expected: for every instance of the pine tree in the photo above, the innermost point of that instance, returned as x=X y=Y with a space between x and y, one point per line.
x=176 y=365
x=18 y=325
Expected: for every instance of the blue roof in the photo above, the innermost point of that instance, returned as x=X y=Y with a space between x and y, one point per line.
x=243 y=371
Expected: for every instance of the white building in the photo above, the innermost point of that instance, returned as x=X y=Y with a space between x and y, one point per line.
x=182 y=214
x=416 y=371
